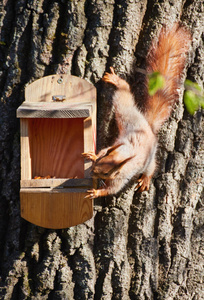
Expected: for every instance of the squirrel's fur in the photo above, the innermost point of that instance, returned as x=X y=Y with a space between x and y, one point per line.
x=133 y=152
x=167 y=56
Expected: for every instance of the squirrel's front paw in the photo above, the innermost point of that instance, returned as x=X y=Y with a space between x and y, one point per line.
x=90 y=156
x=143 y=183
x=92 y=194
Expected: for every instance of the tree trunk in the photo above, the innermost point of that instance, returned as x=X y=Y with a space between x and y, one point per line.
x=137 y=246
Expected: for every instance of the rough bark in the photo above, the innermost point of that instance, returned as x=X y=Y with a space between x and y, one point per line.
x=148 y=246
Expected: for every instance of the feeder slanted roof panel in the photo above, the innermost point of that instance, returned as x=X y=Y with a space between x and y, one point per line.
x=53 y=110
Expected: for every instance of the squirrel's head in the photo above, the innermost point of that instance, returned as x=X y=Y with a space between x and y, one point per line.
x=109 y=165
x=105 y=169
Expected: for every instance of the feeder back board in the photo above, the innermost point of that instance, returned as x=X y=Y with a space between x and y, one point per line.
x=58 y=124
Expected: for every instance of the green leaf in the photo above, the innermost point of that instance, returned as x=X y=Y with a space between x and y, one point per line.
x=191 y=101
x=193 y=97
x=156 y=82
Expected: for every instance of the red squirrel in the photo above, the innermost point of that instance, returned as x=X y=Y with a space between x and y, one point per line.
x=133 y=153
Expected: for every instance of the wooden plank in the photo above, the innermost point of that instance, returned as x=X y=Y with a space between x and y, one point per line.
x=57 y=183
x=53 y=110
x=56 y=146
x=55 y=209
x=74 y=88
x=88 y=144
x=26 y=172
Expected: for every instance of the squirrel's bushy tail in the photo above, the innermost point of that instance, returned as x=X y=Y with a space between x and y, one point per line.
x=167 y=56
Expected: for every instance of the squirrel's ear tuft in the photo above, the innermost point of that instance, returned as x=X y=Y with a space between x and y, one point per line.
x=113 y=148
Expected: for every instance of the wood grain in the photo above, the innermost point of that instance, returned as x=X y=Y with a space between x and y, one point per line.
x=57 y=183
x=74 y=88
x=53 y=110
x=56 y=146
x=55 y=209
x=26 y=172
x=53 y=137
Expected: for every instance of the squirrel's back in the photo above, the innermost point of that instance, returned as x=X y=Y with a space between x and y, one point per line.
x=167 y=56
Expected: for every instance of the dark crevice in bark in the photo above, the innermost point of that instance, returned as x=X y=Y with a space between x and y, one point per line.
x=85 y=40
x=59 y=46
x=74 y=69
x=177 y=235
x=169 y=161
x=101 y=250
x=47 y=4
x=52 y=295
x=200 y=203
x=23 y=52
x=23 y=232
x=17 y=294
x=106 y=131
x=81 y=288
x=7 y=30
x=187 y=3
x=162 y=242
x=33 y=263
x=99 y=284
x=92 y=14
x=148 y=27
x=4 y=208
x=116 y=283
x=118 y=22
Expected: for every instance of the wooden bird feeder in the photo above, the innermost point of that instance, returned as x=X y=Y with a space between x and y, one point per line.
x=58 y=124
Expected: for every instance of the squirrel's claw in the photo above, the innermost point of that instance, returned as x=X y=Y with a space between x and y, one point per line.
x=143 y=183
x=91 y=194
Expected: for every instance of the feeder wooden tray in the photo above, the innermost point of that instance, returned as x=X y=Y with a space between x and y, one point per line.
x=58 y=124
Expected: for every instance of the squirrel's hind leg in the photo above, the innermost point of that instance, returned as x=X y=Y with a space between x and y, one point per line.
x=143 y=183
x=145 y=178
